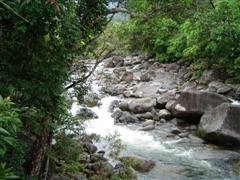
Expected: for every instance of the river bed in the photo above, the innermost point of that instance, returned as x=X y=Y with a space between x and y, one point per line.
x=176 y=158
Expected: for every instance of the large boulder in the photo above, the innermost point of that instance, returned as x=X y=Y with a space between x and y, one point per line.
x=124 y=117
x=140 y=105
x=193 y=104
x=221 y=124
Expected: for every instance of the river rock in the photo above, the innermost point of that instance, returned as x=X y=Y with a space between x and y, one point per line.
x=176 y=131
x=114 y=61
x=162 y=120
x=138 y=164
x=156 y=65
x=189 y=86
x=123 y=106
x=85 y=113
x=119 y=71
x=147 y=115
x=174 y=67
x=141 y=105
x=124 y=117
x=193 y=104
x=221 y=124
x=195 y=140
x=114 y=90
x=101 y=167
x=183 y=71
x=184 y=134
x=219 y=87
x=208 y=76
x=148 y=127
x=91 y=100
x=127 y=76
x=145 y=77
x=163 y=99
x=148 y=122
x=165 y=114
x=114 y=104
x=97 y=157
x=134 y=94
x=170 y=104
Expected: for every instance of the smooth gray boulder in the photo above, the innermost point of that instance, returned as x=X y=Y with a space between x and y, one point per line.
x=142 y=105
x=193 y=104
x=222 y=124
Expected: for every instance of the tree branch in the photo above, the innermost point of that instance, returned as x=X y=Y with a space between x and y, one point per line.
x=13 y=11
x=122 y=10
x=73 y=84
x=212 y=4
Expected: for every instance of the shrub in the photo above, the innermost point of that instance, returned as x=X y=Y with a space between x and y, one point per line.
x=10 y=125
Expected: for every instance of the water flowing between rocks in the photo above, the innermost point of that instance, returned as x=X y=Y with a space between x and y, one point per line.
x=177 y=158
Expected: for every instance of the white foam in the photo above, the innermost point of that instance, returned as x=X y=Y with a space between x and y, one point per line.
x=236 y=102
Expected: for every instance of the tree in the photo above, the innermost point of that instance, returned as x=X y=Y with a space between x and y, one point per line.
x=39 y=42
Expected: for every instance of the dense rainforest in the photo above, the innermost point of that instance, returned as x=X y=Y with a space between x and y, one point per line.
x=202 y=33
x=43 y=42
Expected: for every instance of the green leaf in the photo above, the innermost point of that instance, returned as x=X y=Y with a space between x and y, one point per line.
x=4 y=131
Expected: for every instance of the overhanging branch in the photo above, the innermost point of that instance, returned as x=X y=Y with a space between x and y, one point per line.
x=122 y=10
x=75 y=83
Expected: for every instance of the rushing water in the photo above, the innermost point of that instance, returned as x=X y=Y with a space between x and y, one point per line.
x=175 y=158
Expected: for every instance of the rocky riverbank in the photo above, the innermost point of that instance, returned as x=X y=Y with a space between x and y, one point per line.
x=153 y=93
x=163 y=100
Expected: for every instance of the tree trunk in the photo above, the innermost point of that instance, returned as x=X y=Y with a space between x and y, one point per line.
x=37 y=154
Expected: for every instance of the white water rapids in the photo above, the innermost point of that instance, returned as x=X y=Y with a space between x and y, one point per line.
x=173 y=160
x=178 y=159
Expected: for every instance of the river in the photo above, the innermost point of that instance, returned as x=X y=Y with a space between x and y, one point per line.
x=175 y=158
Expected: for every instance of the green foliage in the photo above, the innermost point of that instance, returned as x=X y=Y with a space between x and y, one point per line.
x=66 y=155
x=113 y=38
x=126 y=174
x=10 y=125
x=201 y=133
x=115 y=145
x=40 y=42
x=188 y=29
